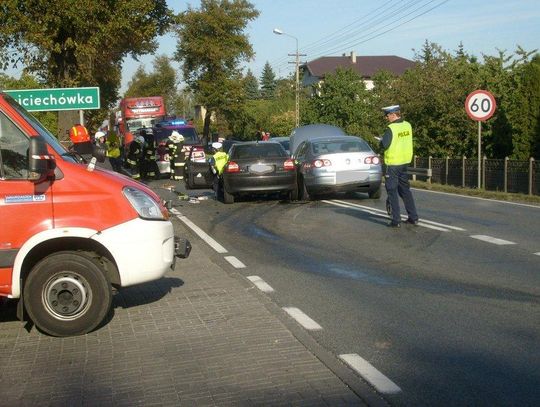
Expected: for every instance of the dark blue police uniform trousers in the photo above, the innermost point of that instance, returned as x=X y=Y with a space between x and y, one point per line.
x=397 y=183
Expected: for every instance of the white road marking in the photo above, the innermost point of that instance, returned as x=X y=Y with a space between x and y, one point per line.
x=493 y=240
x=378 y=212
x=235 y=262
x=261 y=284
x=538 y=254
x=302 y=319
x=382 y=383
x=476 y=197
x=201 y=233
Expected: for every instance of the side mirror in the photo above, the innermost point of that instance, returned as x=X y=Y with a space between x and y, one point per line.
x=41 y=164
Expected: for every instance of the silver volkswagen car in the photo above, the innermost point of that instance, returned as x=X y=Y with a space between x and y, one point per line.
x=337 y=163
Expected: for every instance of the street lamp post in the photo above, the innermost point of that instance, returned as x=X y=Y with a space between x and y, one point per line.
x=297 y=90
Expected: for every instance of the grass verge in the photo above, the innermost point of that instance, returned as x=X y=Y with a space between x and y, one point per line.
x=500 y=196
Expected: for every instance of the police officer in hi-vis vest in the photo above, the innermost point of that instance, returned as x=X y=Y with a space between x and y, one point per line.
x=397 y=143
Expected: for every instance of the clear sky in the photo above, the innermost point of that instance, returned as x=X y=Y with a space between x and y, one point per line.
x=384 y=27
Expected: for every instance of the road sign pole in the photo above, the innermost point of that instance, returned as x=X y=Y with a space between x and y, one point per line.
x=479 y=154
x=480 y=106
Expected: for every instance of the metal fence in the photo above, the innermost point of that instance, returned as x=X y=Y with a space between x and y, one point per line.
x=505 y=175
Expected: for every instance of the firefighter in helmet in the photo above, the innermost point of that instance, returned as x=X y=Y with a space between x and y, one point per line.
x=81 y=143
x=134 y=157
x=177 y=155
x=149 y=166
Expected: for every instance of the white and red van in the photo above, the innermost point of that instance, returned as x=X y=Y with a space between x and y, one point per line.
x=69 y=234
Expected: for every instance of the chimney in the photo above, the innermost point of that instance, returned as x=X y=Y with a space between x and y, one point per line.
x=353 y=57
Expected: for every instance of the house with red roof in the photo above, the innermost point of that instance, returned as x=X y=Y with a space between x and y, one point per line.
x=367 y=66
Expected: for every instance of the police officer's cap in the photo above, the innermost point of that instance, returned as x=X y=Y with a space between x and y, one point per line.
x=390 y=109
x=217 y=145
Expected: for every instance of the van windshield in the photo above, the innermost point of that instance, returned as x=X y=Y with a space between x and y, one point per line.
x=42 y=131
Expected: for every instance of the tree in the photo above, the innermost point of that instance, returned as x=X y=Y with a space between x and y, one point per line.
x=432 y=97
x=251 y=86
x=519 y=107
x=27 y=81
x=531 y=116
x=83 y=43
x=162 y=81
x=268 y=82
x=211 y=44
x=341 y=100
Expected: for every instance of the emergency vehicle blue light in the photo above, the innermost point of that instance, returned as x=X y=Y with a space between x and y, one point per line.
x=178 y=122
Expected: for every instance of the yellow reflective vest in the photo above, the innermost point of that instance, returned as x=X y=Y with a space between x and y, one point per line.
x=113 y=146
x=400 y=150
x=220 y=159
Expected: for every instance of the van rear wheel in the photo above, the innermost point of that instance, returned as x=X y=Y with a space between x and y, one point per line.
x=67 y=293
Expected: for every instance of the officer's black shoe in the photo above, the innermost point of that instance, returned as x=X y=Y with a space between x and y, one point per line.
x=410 y=221
x=393 y=224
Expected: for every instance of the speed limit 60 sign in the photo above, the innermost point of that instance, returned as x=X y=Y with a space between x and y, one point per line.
x=480 y=105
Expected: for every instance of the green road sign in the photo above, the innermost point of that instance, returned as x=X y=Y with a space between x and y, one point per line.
x=41 y=100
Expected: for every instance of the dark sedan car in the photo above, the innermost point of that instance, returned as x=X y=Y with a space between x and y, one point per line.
x=259 y=168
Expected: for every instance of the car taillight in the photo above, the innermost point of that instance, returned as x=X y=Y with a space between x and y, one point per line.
x=372 y=160
x=288 y=165
x=232 y=167
x=322 y=163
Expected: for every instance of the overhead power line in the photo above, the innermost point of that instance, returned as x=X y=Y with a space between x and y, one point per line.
x=393 y=17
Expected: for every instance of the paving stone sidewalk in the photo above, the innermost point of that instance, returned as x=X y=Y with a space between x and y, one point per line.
x=198 y=337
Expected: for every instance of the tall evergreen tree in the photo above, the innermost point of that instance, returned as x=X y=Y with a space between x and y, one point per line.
x=251 y=86
x=268 y=82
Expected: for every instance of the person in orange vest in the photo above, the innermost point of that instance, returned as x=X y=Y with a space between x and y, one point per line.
x=81 y=143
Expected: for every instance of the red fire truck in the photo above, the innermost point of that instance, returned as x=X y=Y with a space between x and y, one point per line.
x=137 y=113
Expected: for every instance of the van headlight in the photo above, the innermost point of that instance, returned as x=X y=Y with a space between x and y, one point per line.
x=143 y=203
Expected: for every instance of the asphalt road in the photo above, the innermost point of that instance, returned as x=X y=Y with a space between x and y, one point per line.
x=448 y=312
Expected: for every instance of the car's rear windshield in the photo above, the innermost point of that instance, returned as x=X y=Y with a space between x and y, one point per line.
x=261 y=150
x=340 y=146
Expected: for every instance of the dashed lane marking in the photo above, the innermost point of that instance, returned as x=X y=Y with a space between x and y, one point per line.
x=261 y=284
x=494 y=240
x=302 y=319
x=538 y=254
x=201 y=233
x=382 y=383
x=235 y=262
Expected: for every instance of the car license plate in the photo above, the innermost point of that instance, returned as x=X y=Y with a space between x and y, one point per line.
x=344 y=177
x=261 y=168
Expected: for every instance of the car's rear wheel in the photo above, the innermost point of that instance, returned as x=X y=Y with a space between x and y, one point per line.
x=227 y=197
x=375 y=194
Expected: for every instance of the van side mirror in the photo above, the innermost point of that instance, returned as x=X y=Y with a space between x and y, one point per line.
x=41 y=164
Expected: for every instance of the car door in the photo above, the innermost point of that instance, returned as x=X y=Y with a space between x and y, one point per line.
x=300 y=157
x=25 y=206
